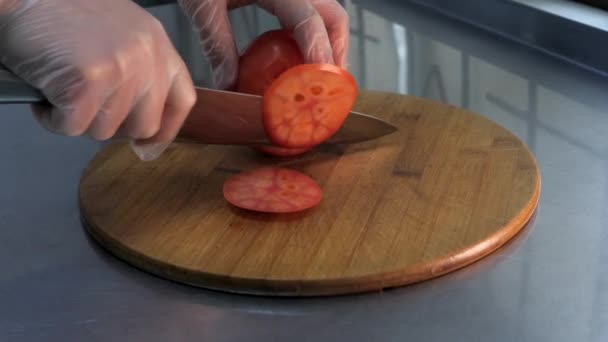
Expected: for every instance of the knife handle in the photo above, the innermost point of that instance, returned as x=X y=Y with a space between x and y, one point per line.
x=14 y=90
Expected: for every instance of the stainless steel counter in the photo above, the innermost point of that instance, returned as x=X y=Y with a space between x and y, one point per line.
x=550 y=284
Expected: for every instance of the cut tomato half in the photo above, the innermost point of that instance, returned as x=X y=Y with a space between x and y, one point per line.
x=272 y=190
x=307 y=104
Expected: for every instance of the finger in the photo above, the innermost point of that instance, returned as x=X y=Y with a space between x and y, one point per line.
x=210 y=19
x=180 y=100
x=69 y=117
x=308 y=27
x=113 y=112
x=143 y=121
x=336 y=21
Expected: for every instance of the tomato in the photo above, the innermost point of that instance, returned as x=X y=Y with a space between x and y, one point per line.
x=307 y=104
x=273 y=190
x=304 y=104
x=265 y=59
x=268 y=56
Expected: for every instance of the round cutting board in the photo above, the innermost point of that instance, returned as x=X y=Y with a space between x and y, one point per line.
x=448 y=188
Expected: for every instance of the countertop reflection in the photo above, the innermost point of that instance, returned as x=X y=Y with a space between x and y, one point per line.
x=549 y=284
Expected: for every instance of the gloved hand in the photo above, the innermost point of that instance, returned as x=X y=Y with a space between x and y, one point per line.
x=107 y=68
x=320 y=28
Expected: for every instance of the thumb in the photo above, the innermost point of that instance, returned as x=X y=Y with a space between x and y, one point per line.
x=148 y=152
x=210 y=20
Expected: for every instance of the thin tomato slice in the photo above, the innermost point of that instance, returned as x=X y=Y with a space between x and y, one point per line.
x=272 y=190
x=307 y=104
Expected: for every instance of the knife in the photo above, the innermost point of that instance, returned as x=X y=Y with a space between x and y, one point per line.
x=219 y=117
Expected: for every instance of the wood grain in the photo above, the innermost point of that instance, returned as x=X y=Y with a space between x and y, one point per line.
x=447 y=189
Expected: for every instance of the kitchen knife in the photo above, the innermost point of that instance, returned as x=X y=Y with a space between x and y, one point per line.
x=219 y=117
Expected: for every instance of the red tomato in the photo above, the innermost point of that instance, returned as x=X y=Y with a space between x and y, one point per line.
x=265 y=59
x=273 y=190
x=262 y=62
x=307 y=104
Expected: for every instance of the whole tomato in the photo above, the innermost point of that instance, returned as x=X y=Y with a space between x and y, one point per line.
x=269 y=55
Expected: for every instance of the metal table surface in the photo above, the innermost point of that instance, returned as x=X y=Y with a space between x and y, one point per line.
x=550 y=284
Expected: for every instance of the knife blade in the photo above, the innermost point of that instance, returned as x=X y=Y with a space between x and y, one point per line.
x=219 y=117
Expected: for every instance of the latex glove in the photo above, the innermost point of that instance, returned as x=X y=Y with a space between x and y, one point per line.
x=107 y=68
x=320 y=27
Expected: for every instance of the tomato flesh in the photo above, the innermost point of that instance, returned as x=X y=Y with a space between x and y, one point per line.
x=307 y=104
x=272 y=190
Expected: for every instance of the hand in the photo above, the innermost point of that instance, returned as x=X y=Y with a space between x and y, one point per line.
x=107 y=68
x=320 y=28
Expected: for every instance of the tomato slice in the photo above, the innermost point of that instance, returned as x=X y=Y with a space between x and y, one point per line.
x=273 y=190
x=307 y=104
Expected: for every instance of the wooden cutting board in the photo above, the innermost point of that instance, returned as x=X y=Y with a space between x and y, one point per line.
x=447 y=189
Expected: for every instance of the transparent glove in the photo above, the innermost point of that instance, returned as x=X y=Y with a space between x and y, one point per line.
x=320 y=28
x=107 y=68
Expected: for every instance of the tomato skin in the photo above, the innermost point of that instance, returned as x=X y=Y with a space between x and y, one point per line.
x=268 y=56
x=265 y=59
